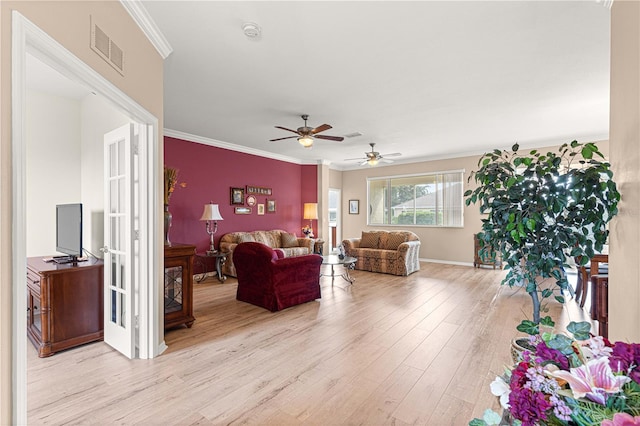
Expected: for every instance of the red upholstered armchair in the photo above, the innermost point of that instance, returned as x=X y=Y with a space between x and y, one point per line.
x=268 y=280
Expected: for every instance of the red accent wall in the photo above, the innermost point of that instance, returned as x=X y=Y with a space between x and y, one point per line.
x=209 y=173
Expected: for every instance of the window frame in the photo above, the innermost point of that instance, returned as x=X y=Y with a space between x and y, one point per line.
x=388 y=214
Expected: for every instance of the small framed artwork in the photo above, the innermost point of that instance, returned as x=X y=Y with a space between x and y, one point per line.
x=243 y=210
x=258 y=190
x=271 y=206
x=237 y=196
x=354 y=206
x=260 y=209
x=251 y=200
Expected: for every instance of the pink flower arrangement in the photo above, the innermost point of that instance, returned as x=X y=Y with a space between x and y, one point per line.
x=579 y=380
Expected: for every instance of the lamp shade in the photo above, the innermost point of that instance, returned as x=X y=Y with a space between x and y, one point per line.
x=306 y=141
x=310 y=211
x=211 y=212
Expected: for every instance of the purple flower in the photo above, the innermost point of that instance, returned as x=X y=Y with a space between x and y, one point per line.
x=528 y=406
x=625 y=358
x=546 y=354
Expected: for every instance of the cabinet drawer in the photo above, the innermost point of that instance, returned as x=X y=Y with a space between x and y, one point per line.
x=33 y=281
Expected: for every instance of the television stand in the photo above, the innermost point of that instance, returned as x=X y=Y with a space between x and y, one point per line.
x=65 y=304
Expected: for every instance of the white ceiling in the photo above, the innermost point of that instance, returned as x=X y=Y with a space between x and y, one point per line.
x=425 y=78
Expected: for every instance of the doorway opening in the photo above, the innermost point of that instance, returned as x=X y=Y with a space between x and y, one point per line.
x=28 y=39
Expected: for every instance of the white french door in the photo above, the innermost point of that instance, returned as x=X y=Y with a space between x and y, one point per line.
x=119 y=274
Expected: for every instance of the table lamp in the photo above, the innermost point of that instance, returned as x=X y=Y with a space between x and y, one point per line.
x=310 y=212
x=211 y=213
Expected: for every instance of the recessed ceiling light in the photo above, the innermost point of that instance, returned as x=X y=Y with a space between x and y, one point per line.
x=251 y=30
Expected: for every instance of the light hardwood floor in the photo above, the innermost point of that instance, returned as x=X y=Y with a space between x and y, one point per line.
x=388 y=350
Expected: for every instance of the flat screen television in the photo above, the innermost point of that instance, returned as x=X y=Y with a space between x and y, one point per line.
x=68 y=232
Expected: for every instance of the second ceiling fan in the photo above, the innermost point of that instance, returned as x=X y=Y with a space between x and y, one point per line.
x=373 y=157
x=306 y=134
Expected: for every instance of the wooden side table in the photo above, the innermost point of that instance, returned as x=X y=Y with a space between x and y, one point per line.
x=318 y=245
x=493 y=259
x=178 y=285
x=220 y=257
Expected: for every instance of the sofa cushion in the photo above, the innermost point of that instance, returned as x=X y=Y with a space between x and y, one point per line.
x=289 y=240
x=369 y=239
x=391 y=240
x=246 y=238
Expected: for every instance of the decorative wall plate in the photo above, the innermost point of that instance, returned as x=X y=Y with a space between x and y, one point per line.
x=251 y=200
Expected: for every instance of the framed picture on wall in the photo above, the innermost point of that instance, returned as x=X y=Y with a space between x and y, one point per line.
x=354 y=206
x=242 y=210
x=260 y=209
x=271 y=206
x=237 y=196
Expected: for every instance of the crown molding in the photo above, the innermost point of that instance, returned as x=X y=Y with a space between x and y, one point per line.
x=232 y=147
x=141 y=17
x=606 y=3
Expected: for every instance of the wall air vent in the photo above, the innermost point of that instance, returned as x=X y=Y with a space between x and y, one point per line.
x=102 y=44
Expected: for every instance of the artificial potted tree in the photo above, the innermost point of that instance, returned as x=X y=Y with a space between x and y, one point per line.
x=542 y=210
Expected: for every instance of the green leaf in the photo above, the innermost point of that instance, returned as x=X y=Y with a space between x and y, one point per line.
x=477 y=422
x=527 y=326
x=547 y=321
x=580 y=330
x=561 y=343
x=515 y=147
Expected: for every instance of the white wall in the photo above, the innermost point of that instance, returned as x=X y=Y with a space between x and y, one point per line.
x=53 y=166
x=97 y=118
x=65 y=165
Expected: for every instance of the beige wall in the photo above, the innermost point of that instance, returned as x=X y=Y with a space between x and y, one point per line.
x=448 y=245
x=68 y=23
x=624 y=292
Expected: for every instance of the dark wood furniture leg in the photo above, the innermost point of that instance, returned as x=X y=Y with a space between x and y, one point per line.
x=600 y=303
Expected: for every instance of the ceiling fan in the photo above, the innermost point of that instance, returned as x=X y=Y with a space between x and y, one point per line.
x=306 y=134
x=374 y=157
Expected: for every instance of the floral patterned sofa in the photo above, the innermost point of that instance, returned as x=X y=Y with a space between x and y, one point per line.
x=290 y=244
x=389 y=252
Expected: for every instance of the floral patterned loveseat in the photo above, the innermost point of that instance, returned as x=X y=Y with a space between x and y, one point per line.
x=389 y=252
x=289 y=243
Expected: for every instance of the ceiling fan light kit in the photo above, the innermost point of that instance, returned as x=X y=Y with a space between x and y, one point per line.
x=306 y=141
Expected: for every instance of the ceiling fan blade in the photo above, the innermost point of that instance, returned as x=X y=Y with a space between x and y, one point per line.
x=321 y=128
x=394 y=154
x=364 y=162
x=386 y=160
x=331 y=138
x=284 y=128
x=279 y=139
x=352 y=159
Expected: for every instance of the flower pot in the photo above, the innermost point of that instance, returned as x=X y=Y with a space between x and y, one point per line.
x=518 y=346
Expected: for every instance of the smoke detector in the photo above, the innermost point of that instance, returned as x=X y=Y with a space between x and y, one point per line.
x=251 y=30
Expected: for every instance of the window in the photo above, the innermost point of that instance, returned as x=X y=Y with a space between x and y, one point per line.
x=433 y=199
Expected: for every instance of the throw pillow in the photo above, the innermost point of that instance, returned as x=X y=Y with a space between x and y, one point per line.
x=289 y=240
x=369 y=239
x=246 y=238
x=394 y=239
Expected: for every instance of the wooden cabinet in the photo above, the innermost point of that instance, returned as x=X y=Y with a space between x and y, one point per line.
x=492 y=259
x=178 y=285
x=64 y=304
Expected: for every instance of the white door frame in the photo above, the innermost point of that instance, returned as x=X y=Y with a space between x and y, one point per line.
x=28 y=38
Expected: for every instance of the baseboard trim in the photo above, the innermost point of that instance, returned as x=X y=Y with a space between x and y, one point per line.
x=446 y=262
